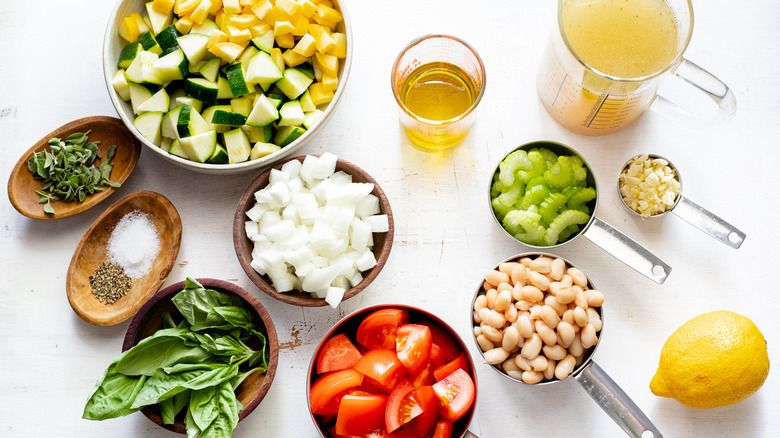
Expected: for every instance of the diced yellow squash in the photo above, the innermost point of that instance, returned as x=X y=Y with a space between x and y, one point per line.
x=282 y=28
x=289 y=6
x=329 y=65
x=236 y=35
x=327 y=3
x=276 y=54
x=262 y=8
x=292 y=58
x=259 y=29
x=306 y=46
x=319 y=96
x=325 y=42
x=340 y=49
x=184 y=25
x=323 y=21
x=316 y=30
x=231 y=6
x=200 y=13
x=219 y=17
x=244 y=21
x=143 y=25
x=217 y=37
x=129 y=29
x=228 y=51
x=216 y=5
x=307 y=8
x=329 y=83
x=276 y=14
x=285 y=41
x=328 y=13
x=245 y=3
x=187 y=6
x=163 y=6
x=300 y=25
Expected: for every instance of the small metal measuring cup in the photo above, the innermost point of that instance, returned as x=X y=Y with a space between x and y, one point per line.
x=597 y=231
x=694 y=214
x=594 y=380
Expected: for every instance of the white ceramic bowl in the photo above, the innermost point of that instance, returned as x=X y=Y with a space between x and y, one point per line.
x=112 y=47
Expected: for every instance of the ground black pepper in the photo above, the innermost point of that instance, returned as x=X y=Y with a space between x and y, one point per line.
x=109 y=283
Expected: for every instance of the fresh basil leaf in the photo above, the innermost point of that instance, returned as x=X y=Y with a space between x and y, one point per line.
x=203 y=407
x=170 y=407
x=219 y=408
x=165 y=348
x=195 y=301
x=113 y=395
x=167 y=382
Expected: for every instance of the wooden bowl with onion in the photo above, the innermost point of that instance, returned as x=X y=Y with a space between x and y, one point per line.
x=148 y=320
x=382 y=242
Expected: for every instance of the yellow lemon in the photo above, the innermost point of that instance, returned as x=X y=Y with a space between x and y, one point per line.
x=715 y=359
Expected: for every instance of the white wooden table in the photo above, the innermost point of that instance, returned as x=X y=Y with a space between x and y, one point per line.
x=445 y=238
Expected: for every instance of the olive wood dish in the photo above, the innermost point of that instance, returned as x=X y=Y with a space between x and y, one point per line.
x=108 y=131
x=92 y=251
x=149 y=319
x=383 y=242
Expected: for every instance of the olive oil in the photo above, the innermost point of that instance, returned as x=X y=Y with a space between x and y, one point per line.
x=438 y=91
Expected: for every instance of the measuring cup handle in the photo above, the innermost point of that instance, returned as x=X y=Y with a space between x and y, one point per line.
x=707 y=83
x=627 y=250
x=704 y=220
x=616 y=403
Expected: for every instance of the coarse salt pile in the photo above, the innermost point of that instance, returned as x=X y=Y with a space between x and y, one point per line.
x=649 y=186
x=134 y=244
x=312 y=228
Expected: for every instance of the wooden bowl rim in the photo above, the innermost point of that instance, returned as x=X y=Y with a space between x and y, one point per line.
x=243 y=251
x=171 y=252
x=133 y=330
x=64 y=210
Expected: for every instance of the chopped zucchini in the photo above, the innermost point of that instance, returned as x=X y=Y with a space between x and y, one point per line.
x=149 y=43
x=172 y=66
x=159 y=102
x=261 y=149
x=237 y=145
x=201 y=146
x=128 y=54
x=142 y=71
x=287 y=134
x=291 y=114
x=263 y=70
x=138 y=95
x=194 y=45
x=201 y=89
x=234 y=73
x=220 y=155
x=263 y=112
x=148 y=124
x=294 y=82
x=210 y=70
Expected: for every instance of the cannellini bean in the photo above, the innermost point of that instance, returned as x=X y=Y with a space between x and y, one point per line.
x=539 y=363
x=511 y=314
x=550 y=316
x=523 y=305
x=510 y=365
x=541 y=281
x=565 y=333
x=566 y=295
x=594 y=318
x=555 y=304
x=565 y=367
x=568 y=316
x=549 y=373
x=588 y=336
x=525 y=261
x=492 y=333
x=477 y=330
x=577 y=277
x=492 y=318
x=532 y=377
x=511 y=338
x=491 y=296
x=524 y=326
x=576 y=348
x=486 y=285
x=557 y=268
x=518 y=375
x=532 y=347
x=517 y=292
x=484 y=343
x=536 y=312
x=554 y=352
x=595 y=298
x=480 y=303
x=519 y=275
x=495 y=277
x=504 y=300
x=476 y=318
x=504 y=286
x=580 y=316
x=495 y=356
x=546 y=333
x=532 y=294
x=581 y=300
x=541 y=265
x=523 y=363
x=506 y=268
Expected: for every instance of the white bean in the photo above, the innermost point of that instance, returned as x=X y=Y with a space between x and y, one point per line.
x=565 y=367
x=476 y=318
x=504 y=286
x=539 y=363
x=492 y=333
x=595 y=298
x=511 y=338
x=480 y=303
x=484 y=343
x=532 y=377
x=519 y=275
x=565 y=333
x=491 y=296
x=492 y=318
x=576 y=348
x=541 y=281
x=542 y=265
x=536 y=312
x=532 y=347
x=477 y=330
x=549 y=373
x=554 y=352
x=557 y=268
x=577 y=277
x=546 y=333
x=510 y=364
x=550 y=316
x=495 y=277
x=525 y=261
x=524 y=326
x=517 y=375
x=495 y=356
x=588 y=336
x=555 y=304
x=594 y=318
x=504 y=300
x=532 y=294
x=507 y=267
x=523 y=305
x=568 y=316
x=580 y=316
x=566 y=295
x=523 y=363
x=581 y=300
x=511 y=314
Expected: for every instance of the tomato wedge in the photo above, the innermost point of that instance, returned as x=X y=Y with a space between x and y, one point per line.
x=443 y=429
x=439 y=356
x=413 y=346
x=443 y=339
x=378 y=329
x=445 y=370
x=424 y=377
x=337 y=354
x=382 y=369
x=456 y=394
x=360 y=413
x=429 y=403
x=327 y=390
x=402 y=407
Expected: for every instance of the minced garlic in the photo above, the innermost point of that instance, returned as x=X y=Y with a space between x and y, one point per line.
x=649 y=186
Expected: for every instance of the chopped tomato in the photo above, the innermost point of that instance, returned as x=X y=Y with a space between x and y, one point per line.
x=413 y=346
x=402 y=407
x=445 y=370
x=360 y=413
x=443 y=339
x=327 y=390
x=378 y=329
x=429 y=403
x=443 y=429
x=382 y=369
x=424 y=377
x=337 y=354
x=439 y=356
x=456 y=394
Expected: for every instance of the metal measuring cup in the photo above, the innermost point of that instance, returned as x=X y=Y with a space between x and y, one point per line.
x=693 y=213
x=596 y=230
x=594 y=380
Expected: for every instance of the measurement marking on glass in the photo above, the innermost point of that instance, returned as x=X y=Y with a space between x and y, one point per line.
x=606 y=96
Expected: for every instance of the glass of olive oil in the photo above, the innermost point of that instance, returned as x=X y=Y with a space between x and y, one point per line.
x=437 y=82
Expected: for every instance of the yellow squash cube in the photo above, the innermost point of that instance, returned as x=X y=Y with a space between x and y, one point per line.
x=306 y=46
x=289 y=6
x=307 y=8
x=328 y=13
x=329 y=83
x=244 y=21
x=285 y=41
x=184 y=25
x=236 y=35
x=276 y=55
x=300 y=24
x=217 y=37
x=200 y=13
x=340 y=49
x=325 y=42
x=282 y=28
x=231 y=6
x=216 y=5
x=329 y=65
x=276 y=14
x=163 y=6
x=319 y=96
x=262 y=8
x=292 y=58
x=228 y=52
x=129 y=30
x=259 y=29
x=187 y=6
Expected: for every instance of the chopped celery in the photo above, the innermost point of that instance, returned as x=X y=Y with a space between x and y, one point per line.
x=550 y=205
x=560 y=174
x=581 y=196
x=535 y=195
x=535 y=165
x=524 y=226
x=560 y=223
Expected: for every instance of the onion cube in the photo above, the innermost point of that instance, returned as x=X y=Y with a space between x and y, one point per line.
x=341 y=281
x=321 y=189
x=360 y=232
x=298 y=256
x=299 y=238
x=256 y=212
x=351 y=193
x=334 y=249
x=367 y=206
x=356 y=278
x=320 y=261
x=379 y=223
x=365 y=261
x=320 y=293
x=343 y=219
x=306 y=204
x=278 y=176
x=291 y=213
x=251 y=229
x=295 y=185
x=341 y=178
x=318 y=167
x=282 y=280
x=303 y=270
x=319 y=279
x=292 y=168
x=334 y=296
x=279 y=194
x=263 y=197
x=269 y=218
x=280 y=230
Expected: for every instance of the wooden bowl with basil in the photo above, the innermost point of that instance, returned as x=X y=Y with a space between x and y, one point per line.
x=205 y=348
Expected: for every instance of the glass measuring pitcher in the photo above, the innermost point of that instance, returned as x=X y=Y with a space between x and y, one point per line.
x=606 y=59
